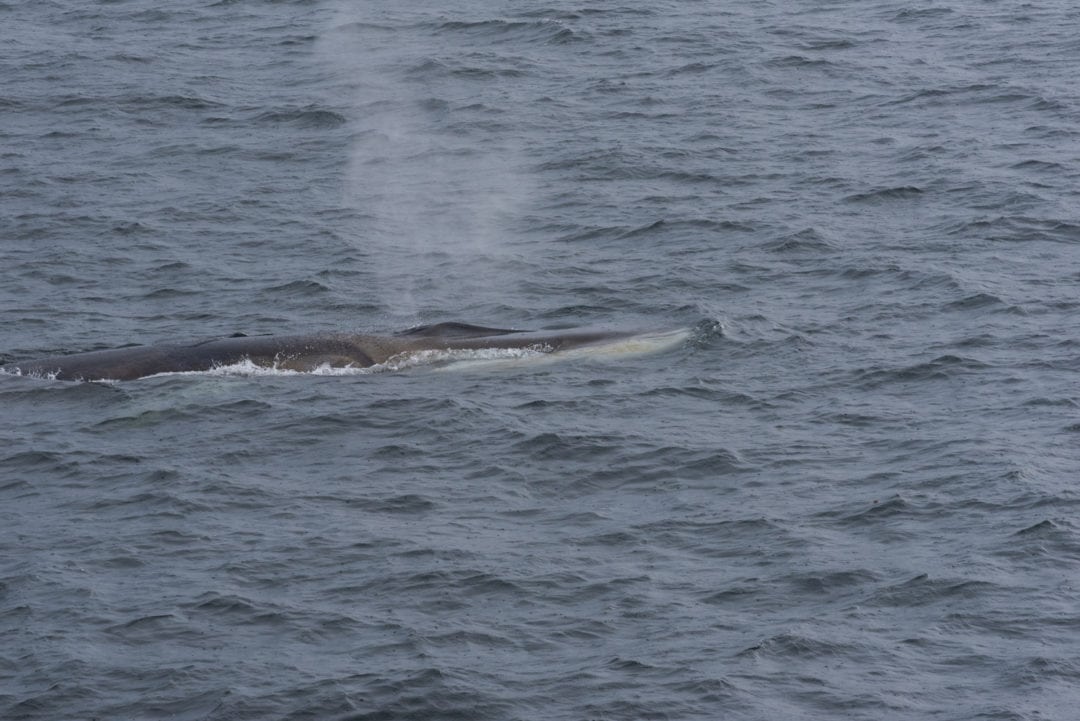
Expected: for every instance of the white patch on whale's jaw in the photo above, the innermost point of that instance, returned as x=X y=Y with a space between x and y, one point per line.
x=635 y=345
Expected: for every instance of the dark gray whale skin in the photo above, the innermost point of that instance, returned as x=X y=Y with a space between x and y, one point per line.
x=297 y=352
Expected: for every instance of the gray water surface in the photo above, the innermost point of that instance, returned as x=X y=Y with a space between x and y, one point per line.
x=851 y=494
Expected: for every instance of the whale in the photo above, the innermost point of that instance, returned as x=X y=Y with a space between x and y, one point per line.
x=303 y=353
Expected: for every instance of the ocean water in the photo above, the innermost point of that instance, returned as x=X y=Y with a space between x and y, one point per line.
x=850 y=493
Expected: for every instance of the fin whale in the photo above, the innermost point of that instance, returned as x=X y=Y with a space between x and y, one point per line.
x=298 y=352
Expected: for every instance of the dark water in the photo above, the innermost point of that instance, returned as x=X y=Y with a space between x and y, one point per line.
x=852 y=494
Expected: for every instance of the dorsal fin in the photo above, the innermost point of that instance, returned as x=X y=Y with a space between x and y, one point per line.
x=455 y=330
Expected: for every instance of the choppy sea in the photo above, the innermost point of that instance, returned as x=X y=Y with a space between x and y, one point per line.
x=852 y=493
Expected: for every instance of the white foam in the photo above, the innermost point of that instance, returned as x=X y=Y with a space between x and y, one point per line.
x=16 y=371
x=246 y=368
